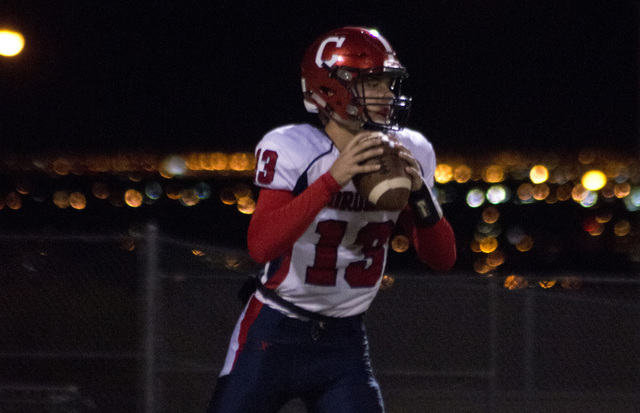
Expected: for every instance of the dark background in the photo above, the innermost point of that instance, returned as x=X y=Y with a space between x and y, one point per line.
x=162 y=76
x=183 y=75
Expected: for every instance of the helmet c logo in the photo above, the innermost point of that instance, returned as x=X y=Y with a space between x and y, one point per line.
x=334 y=58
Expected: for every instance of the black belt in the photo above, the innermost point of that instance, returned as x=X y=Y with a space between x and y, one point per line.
x=273 y=296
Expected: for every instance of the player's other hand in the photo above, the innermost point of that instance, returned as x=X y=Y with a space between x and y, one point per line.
x=413 y=169
x=352 y=158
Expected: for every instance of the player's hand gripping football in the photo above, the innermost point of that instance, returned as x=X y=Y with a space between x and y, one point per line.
x=412 y=165
x=351 y=160
x=425 y=207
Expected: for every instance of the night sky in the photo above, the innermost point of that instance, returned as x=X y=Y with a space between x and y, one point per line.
x=211 y=75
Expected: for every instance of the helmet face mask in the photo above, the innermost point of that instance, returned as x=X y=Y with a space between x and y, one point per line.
x=387 y=112
x=335 y=71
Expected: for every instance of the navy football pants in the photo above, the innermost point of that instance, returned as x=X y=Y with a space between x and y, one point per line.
x=285 y=358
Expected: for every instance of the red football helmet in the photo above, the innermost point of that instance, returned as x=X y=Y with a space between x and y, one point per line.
x=331 y=68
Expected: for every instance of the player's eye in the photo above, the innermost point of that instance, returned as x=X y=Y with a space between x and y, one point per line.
x=378 y=84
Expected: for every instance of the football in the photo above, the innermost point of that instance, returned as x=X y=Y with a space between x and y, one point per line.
x=389 y=187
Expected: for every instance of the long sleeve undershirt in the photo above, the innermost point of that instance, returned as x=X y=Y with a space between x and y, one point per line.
x=280 y=218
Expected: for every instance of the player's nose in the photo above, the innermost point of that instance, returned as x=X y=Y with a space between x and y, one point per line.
x=384 y=91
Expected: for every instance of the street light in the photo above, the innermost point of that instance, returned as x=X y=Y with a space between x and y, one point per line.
x=11 y=43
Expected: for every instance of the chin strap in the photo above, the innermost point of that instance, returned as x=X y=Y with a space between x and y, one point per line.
x=425 y=207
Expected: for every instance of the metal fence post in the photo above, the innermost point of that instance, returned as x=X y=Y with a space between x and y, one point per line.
x=150 y=270
x=637 y=337
x=493 y=343
x=529 y=344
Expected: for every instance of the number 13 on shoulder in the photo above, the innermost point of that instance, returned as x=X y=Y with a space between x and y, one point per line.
x=265 y=166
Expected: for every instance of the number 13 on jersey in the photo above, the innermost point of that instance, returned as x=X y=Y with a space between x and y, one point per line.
x=266 y=166
x=364 y=273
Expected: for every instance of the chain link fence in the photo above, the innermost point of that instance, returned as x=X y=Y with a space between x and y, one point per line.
x=141 y=323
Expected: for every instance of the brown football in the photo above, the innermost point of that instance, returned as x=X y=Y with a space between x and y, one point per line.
x=387 y=188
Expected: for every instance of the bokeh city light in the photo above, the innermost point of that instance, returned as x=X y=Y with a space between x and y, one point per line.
x=506 y=183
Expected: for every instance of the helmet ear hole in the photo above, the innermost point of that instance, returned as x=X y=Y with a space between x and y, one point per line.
x=327 y=91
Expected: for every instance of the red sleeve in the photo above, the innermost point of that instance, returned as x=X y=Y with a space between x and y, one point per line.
x=436 y=245
x=280 y=218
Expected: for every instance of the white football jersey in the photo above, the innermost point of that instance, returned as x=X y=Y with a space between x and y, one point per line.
x=336 y=266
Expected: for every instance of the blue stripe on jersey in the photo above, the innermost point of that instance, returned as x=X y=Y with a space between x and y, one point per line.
x=274 y=266
x=302 y=183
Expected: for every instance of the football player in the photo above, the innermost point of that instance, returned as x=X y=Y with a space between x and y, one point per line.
x=323 y=246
